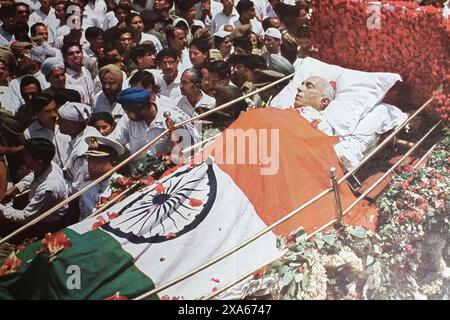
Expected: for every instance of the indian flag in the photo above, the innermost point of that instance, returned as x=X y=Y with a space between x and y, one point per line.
x=187 y=219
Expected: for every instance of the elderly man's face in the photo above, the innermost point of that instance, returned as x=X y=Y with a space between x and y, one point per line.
x=169 y=66
x=188 y=86
x=24 y=63
x=310 y=93
x=179 y=41
x=272 y=44
x=111 y=84
x=57 y=78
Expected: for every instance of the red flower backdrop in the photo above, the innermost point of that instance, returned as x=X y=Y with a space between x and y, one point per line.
x=403 y=38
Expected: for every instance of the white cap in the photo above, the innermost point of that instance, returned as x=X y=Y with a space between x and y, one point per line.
x=222 y=33
x=274 y=33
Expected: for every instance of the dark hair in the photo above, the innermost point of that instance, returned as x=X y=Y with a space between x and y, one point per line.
x=123 y=7
x=40 y=149
x=124 y=30
x=266 y=24
x=93 y=33
x=170 y=32
x=68 y=45
x=39 y=101
x=167 y=52
x=185 y=5
x=65 y=95
x=303 y=31
x=143 y=77
x=104 y=61
x=105 y=116
x=201 y=44
x=244 y=43
x=130 y=16
x=244 y=5
x=21 y=32
x=110 y=46
x=27 y=80
x=289 y=49
x=219 y=67
x=34 y=26
x=20 y=4
x=6 y=12
x=141 y=50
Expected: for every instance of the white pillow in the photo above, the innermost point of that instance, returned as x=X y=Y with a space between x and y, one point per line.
x=357 y=92
x=308 y=67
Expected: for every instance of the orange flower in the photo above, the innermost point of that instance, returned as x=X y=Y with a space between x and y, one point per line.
x=54 y=243
x=117 y=296
x=11 y=264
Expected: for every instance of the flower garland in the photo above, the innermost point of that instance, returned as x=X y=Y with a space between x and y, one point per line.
x=398 y=36
x=407 y=258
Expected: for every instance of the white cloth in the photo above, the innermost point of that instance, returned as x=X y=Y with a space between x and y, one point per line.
x=46 y=191
x=6 y=38
x=60 y=141
x=152 y=38
x=83 y=79
x=137 y=134
x=101 y=104
x=446 y=10
x=171 y=90
x=76 y=169
x=39 y=16
x=221 y=19
x=74 y=111
x=185 y=61
x=15 y=97
x=205 y=101
x=110 y=20
x=94 y=14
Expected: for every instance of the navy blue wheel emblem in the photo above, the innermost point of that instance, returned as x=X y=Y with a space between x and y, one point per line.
x=171 y=209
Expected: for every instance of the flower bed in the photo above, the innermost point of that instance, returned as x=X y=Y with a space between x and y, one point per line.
x=398 y=37
x=406 y=258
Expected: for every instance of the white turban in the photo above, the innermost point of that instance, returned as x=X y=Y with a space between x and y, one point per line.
x=74 y=111
x=51 y=63
x=41 y=52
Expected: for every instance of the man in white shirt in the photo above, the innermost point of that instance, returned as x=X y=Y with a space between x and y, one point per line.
x=247 y=15
x=47 y=189
x=76 y=73
x=45 y=126
x=111 y=78
x=144 y=122
x=167 y=60
x=7 y=28
x=28 y=64
x=227 y=16
x=193 y=98
x=43 y=14
x=177 y=40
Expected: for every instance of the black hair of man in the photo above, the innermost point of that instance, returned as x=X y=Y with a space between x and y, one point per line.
x=185 y=5
x=35 y=26
x=7 y=12
x=105 y=116
x=244 y=5
x=93 y=33
x=39 y=101
x=68 y=45
x=219 y=67
x=244 y=43
x=40 y=149
x=130 y=17
x=104 y=61
x=20 y=4
x=27 y=80
x=66 y=95
x=201 y=44
x=170 y=32
x=143 y=77
x=167 y=52
x=123 y=7
x=250 y=61
x=141 y=50
x=303 y=31
x=124 y=30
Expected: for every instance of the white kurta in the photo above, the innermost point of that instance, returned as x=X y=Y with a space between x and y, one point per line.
x=46 y=191
x=83 y=79
x=221 y=19
x=101 y=104
x=255 y=26
x=171 y=90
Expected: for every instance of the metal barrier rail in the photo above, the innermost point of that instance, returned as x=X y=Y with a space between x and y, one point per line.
x=133 y=156
x=327 y=225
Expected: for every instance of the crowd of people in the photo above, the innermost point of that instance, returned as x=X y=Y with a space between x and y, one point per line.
x=83 y=83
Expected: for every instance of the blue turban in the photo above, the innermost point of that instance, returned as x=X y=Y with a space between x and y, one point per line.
x=133 y=98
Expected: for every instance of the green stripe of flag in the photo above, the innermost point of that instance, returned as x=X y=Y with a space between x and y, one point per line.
x=105 y=269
